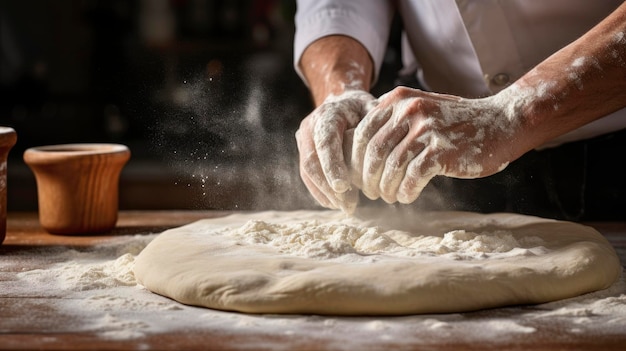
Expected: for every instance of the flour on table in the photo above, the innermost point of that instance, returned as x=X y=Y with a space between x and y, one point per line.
x=322 y=262
x=113 y=309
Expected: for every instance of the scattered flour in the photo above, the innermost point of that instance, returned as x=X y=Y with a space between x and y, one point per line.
x=355 y=243
x=100 y=292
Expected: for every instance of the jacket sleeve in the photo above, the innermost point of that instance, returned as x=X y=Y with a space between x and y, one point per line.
x=367 y=21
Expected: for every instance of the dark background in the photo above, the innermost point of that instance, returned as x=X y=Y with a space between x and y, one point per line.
x=204 y=94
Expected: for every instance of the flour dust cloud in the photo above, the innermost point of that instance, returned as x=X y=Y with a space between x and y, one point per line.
x=228 y=134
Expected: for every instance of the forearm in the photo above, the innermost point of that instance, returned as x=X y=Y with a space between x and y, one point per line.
x=334 y=64
x=582 y=82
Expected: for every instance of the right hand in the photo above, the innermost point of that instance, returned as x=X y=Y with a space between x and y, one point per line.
x=323 y=167
x=412 y=136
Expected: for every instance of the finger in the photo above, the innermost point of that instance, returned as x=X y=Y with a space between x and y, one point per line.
x=311 y=172
x=348 y=201
x=419 y=172
x=328 y=138
x=381 y=146
x=370 y=106
x=348 y=138
x=317 y=194
x=396 y=167
x=313 y=178
x=376 y=156
x=363 y=134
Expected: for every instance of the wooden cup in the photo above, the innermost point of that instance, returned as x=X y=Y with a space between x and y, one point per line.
x=8 y=137
x=77 y=186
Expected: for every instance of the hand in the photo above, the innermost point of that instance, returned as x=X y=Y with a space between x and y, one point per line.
x=323 y=167
x=412 y=136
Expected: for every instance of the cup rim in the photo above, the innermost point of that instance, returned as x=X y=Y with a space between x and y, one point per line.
x=6 y=130
x=79 y=149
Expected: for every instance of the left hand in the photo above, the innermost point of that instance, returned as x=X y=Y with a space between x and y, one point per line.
x=322 y=148
x=412 y=136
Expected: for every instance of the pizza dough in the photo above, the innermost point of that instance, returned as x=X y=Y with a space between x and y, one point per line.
x=322 y=262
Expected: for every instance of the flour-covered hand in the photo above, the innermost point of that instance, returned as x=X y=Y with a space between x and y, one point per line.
x=412 y=136
x=323 y=167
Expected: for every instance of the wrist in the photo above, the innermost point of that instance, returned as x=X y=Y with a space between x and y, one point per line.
x=346 y=79
x=540 y=110
x=350 y=94
x=334 y=64
x=515 y=115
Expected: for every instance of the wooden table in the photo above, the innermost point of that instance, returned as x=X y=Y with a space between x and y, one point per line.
x=28 y=322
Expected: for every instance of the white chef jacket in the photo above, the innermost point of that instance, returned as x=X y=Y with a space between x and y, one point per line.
x=470 y=48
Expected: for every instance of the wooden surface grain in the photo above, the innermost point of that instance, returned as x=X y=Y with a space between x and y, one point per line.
x=27 y=321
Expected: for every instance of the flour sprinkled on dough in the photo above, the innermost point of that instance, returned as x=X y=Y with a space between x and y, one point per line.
x=357 y=242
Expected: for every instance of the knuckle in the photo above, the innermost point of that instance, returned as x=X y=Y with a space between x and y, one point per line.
x=400 y=92
x=415 y=106
x=417 y=169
